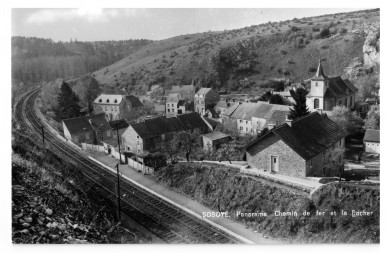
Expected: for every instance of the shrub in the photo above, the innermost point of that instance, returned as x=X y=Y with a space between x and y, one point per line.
x=343 y=31
x=325 y=32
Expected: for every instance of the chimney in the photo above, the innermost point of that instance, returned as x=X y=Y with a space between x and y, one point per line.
x=288 y=120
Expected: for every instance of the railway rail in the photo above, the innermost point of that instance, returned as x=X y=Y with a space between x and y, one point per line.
x=168 y=222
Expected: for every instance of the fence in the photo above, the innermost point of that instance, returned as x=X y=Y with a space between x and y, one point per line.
x=92 y=147
x=140 y=167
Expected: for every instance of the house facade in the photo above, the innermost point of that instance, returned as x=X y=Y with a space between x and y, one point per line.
x=204 y=99
x=146 y=136
x=312 y=146
x=172 y=104
x=117 y=107
x=372 y=141
x=328 y=92
x=252 y=118
x=87 y=129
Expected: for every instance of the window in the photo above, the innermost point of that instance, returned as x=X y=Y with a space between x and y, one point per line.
x=128 y=148
x=316 y=83
x=138 y=136
x=241 y=121
x=116 y=101
x=246 y=121
x=346 y=101
x=138 y=143
x=247 y=129
x=316 y=103
x=241 y=128
x=202 y=102
x=168 y=110
x=172 y=109
x=339 y=102
x=100 y=100
x=168 y=105
x=107 y=100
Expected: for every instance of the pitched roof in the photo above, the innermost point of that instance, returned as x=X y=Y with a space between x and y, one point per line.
x=277 y=118
x=203 y=91
x=162 y=125
x=216 y=135
x=181 y=102
x=212 y=123
x=246 y=111
x=372 y=135
x=87 y=123
x=222 y=104
x=109 y=99
x=173 y=97
x=121 y=123
x=308 y=136
x=213 y=112
x=319 y=75
x=135 y=102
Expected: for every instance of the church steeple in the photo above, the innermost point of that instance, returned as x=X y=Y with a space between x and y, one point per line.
x=320 y=73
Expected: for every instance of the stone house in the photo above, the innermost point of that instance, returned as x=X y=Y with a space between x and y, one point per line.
x=251 y=118
x=312 y=146
x=328 y=92
x=118 y=107
x=204 y=99
x=145 y=136
x=372 y=141
x=87 y=129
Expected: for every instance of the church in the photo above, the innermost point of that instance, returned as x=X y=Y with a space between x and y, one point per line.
x=328 y=92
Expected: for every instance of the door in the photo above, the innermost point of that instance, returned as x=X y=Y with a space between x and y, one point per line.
x=274 y=164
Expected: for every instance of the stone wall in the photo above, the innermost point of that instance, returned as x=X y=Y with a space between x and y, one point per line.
x=290 y=163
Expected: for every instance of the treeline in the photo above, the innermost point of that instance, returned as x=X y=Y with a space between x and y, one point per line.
x=37 y=59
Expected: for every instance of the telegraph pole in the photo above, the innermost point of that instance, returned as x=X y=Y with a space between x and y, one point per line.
x=43 y=134
x=118 y=140
x=118 y=193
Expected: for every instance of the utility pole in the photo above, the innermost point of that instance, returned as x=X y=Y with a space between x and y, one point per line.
x=118 y=140
x=118 y=193
x=43 y=134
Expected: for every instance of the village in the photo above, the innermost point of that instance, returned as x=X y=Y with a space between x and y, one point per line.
x=292 y=140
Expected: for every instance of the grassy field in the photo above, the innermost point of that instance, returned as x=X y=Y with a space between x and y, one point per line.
x=226 y=190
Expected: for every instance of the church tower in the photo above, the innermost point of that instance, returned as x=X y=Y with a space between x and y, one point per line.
x=318 y=87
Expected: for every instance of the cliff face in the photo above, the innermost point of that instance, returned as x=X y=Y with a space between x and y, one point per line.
x=369 y=63
x=371 y=48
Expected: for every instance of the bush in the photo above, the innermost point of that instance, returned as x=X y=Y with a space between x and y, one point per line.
x=324 y=33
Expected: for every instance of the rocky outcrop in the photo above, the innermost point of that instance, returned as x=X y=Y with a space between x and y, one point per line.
x=371 y=49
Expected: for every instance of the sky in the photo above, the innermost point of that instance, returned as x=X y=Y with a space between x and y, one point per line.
x=119 y=24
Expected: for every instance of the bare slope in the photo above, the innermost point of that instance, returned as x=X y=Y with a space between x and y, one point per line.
x=241 y=58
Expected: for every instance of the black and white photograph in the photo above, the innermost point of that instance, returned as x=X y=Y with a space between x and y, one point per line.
x=194 y=126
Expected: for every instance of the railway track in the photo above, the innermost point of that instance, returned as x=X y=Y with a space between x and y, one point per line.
x=166 y=221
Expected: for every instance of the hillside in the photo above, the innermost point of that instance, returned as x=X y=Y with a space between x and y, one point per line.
x=243 y=58
x=53 y=203
x=223 y=189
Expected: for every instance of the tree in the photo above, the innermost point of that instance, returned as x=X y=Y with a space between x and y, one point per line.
x=68 y=102
x=188 y=141
x=333 y=161
x=169 y=146
x=346 y=119
x=372 y=120
x=87 y=89
x=229 y=126
x=277 y=99
x=227 y=151
x=299 y=108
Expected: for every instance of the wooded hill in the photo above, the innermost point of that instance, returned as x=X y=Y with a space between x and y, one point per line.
x=242 y=59
x=37 y=59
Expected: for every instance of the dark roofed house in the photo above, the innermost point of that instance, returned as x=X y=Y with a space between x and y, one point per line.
x=214 y=140
x=87 y=129
x=328 y=92
x=299 y=148
x=372 y=141
x=144 y=136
